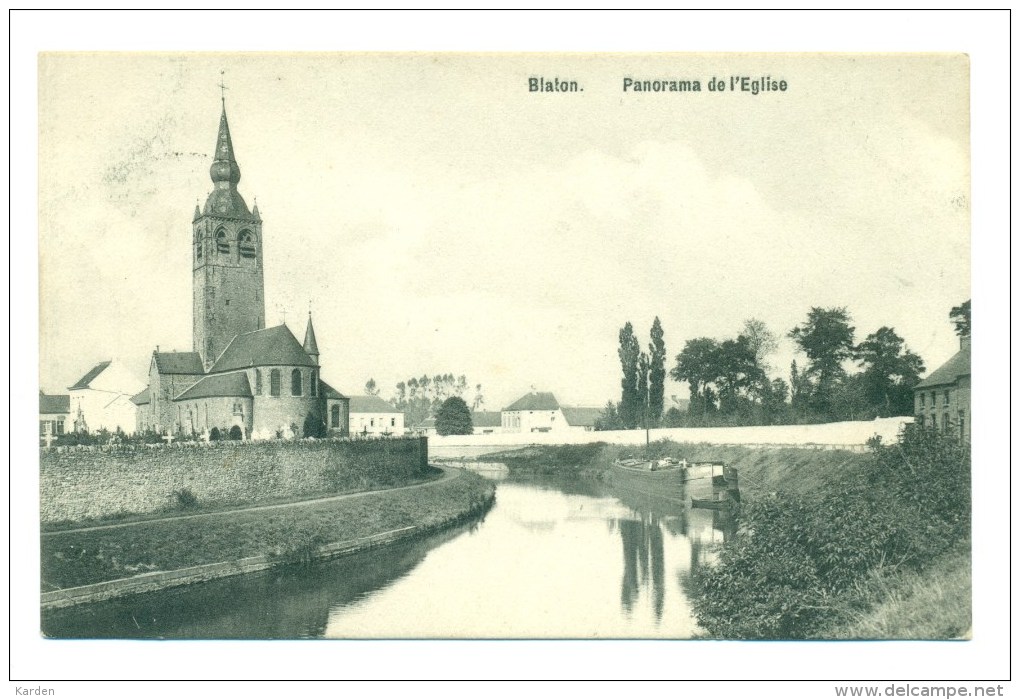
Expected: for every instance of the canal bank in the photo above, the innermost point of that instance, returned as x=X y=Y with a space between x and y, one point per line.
x=93 y=564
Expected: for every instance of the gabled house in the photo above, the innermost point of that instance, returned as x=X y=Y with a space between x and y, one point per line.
x=942 y=399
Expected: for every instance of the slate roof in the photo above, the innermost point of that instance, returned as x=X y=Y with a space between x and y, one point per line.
x=217 y=385
x=957 y=366
x=141 y=398
x=267 y=346
x=535 y=401
x=84 y=382
x=486 y=419
x=329 y=392
x=371 y=404
x=581 y=415
x=54 y=403
x=178 y=363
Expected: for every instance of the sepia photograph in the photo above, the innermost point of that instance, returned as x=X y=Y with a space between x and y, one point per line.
x=567 y=343
x=490 y=346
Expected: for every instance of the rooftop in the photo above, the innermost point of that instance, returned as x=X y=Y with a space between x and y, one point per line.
x=535 y=401
x=957 y=366
x=178 y=362
x=266 y=346
x=54 y=403
x=217 y=385
x=84 y=382
x=371 y=404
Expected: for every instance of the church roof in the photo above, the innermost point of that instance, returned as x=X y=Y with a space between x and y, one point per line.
x=329 y=392
x=178 y=362
x=217 y=385
x=84 y=382
x=957 y=366
x=54 y=403
x=266 y=346
x=371 y=404
x=141 y=398
x=535 y=401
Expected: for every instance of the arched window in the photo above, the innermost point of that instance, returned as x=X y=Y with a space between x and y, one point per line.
x=222 y=244
x=246 y=244
x=295 y=383
x=198 y=249
x=334 y=417
x=313 y=387
x=274 y=383
x=258 y=382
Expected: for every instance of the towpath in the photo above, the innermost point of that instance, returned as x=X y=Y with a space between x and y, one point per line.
x=448 y=474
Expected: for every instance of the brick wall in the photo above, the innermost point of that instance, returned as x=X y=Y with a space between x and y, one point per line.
x=85 y=483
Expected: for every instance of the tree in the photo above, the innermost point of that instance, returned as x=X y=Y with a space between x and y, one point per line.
x=827 y=338
x=370 y=388
x=960 y=316
x=630 y=355
x=736 y=370
x=696 y=365
x=454 y=417
x=656 y=372
x=890 y=372
x=762 y=341
x=641 y=410
x=609 y=419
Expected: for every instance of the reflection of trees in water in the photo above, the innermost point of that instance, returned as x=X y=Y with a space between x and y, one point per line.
x=288 y=603
x=643 y=562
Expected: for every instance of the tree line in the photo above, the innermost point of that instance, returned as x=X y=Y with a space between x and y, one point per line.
x=421 y=397
x=731 y=381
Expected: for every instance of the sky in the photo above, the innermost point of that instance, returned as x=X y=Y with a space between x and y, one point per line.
x=435 y=216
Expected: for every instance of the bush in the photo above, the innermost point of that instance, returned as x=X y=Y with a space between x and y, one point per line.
x=454 y=417
x=186 y=499
x=798 y=561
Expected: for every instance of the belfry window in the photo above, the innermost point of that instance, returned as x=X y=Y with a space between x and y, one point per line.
x=295 y=383
x=246 y=244
x=334 y=417
x=274 y=382
x=222 y=244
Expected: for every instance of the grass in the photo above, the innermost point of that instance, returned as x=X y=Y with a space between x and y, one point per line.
x=78 y=558
x=935 y=604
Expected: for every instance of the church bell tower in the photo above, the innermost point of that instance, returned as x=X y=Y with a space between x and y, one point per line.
x=227 y=282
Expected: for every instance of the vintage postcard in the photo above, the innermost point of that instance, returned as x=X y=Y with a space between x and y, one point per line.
x=504 y=346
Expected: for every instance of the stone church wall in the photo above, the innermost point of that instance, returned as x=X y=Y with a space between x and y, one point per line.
x=81 y=484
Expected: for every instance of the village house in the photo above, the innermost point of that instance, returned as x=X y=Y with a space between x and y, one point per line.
x=486 y=422
x=942 y=399
x=101 y=399
x=54 y=414
x=540 y=412
x=371 y=415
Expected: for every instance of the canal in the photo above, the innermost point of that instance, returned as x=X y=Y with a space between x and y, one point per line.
x=553 y=558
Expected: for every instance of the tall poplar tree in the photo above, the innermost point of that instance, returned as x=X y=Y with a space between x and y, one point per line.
x=656 y=372
x=630 y=355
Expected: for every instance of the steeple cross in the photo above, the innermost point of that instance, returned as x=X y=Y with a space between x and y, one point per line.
x=223 y=88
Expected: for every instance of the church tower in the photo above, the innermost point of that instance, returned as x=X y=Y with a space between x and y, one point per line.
x=226 y=259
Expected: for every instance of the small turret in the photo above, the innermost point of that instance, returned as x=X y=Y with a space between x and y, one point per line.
x=311 y=347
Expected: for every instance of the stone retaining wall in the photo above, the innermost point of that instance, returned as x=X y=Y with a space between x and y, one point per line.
x=82 y=484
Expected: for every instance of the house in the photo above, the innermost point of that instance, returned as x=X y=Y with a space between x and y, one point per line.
x=487 y=422
x=426 y=428
x=102 y=399
x=942 y=399
x=540 y=412
x=370 y=415
x=54 y=414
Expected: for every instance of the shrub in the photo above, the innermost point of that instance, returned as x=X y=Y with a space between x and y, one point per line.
x=797 y=561
x=186 y=499
x=454 y=417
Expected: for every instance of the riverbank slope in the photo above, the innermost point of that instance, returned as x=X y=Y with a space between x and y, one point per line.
x=274 y=535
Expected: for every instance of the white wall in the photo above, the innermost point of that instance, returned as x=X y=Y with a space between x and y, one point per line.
x=531 y=421
x=377 y=423
x=849 y=433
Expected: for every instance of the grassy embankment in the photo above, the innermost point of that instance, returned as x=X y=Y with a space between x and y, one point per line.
x=289 y=533
x=833 y=544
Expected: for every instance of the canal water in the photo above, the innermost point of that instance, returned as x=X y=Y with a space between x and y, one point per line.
x=551 y=559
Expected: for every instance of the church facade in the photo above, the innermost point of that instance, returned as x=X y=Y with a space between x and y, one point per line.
x=241 y=379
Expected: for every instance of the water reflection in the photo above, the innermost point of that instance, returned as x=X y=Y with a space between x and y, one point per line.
x=554 y=558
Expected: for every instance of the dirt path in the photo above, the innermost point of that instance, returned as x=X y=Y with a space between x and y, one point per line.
x=448 y=474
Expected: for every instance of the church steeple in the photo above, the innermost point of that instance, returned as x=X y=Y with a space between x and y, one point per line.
x=225 y=173
x=311 y=347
